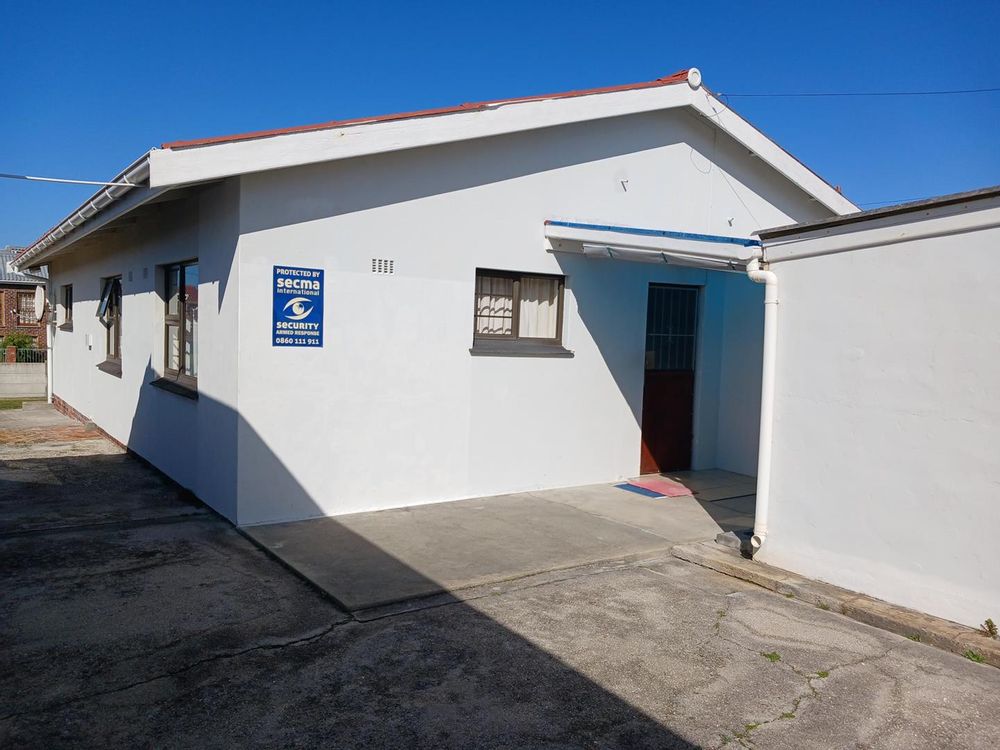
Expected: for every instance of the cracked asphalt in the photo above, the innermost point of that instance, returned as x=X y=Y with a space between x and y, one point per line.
x=133 y=617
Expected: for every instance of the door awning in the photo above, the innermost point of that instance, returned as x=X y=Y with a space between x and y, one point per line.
x=636 y=244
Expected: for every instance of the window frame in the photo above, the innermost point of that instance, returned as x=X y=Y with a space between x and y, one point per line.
x=178 y=375
x=109 y=311
x=17 y=309
x=66 y=298
x=514 y=338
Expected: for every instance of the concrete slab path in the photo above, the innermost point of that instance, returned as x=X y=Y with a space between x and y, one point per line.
x=174 y=631
x=367 y=560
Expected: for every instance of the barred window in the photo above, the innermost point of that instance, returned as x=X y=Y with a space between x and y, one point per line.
x=26 y=308
x=671 y=327
x=518 y=306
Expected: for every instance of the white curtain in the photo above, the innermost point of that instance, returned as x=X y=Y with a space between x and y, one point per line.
x=494 y=305
x=539 y=308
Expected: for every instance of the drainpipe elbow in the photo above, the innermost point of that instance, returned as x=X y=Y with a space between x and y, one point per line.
x=768 y=278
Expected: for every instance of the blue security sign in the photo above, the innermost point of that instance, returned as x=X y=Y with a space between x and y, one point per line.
x=298 y=306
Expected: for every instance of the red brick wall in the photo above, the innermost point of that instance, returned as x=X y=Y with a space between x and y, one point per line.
x=8 y=308
x=69 y=411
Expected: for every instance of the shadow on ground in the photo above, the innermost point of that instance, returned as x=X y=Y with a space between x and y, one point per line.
x=131 y=617
x=131 y=613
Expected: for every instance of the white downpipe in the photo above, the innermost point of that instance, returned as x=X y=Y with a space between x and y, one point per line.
x=770 y=282
x=50 y=340
x=48 y=365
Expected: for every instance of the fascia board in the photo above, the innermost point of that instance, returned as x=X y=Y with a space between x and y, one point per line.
x=770 y=152
x=194 y=164
x=879 y=232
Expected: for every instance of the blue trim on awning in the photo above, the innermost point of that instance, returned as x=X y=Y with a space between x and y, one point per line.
x=743 y=242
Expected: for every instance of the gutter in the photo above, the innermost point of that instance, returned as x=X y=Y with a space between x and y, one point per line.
x=132 y=177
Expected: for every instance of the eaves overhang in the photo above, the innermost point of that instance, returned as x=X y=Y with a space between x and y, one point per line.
x=194 y=161
x=130 y=188
x=943 y=216
x=183 y=163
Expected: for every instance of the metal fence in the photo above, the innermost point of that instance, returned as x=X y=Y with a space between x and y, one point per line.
x=32 y=355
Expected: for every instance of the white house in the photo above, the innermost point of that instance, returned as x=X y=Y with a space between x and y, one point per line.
x=885 y=457
x=434 y=305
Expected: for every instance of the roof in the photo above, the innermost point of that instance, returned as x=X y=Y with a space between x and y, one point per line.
x=8 y=276
x=678 y=77
x=183 y=163
x=877 y=213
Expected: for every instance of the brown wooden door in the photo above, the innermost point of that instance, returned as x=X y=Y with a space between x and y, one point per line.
x=668 y=393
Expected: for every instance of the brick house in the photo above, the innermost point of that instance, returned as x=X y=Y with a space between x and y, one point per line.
x=17 y=299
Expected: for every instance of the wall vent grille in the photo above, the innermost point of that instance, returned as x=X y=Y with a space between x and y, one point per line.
x=383 y=265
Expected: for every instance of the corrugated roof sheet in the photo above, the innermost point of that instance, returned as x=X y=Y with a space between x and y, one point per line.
x=8 y=276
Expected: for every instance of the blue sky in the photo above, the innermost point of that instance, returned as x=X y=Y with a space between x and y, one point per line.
x=85 y=88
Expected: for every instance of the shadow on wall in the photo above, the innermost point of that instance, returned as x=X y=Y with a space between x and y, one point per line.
x=611 y=303
x=317 y=191
x=503 y=689
x=326 y=190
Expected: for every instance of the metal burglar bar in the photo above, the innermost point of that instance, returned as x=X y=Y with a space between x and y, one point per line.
x=671 y=327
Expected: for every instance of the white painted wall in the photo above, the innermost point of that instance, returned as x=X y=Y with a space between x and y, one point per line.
x=194 y=442
x=394 y=410
x=740 y=375
x=886 y=475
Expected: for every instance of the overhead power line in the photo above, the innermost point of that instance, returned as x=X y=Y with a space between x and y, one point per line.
x=867 y=93
x=69 y=182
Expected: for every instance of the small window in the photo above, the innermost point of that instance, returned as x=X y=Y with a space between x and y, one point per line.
x=26 y=309
x=516 y=307
x=671 y=327
x=67 y=305
x=109 y=311
x=180 y=321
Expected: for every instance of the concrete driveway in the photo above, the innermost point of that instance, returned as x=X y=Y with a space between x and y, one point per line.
x=131 y=616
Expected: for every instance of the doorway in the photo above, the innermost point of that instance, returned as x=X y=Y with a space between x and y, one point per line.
x=668 y=391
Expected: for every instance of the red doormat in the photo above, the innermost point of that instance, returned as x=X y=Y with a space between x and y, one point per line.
x=661 y=486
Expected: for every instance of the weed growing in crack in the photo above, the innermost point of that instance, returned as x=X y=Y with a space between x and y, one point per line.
x=914 y=638
x=989 y=629
x=772 y=657
x=745 y=734
x=824 y=606
x=823 y=673
x=974 y=656
x=788 y=715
